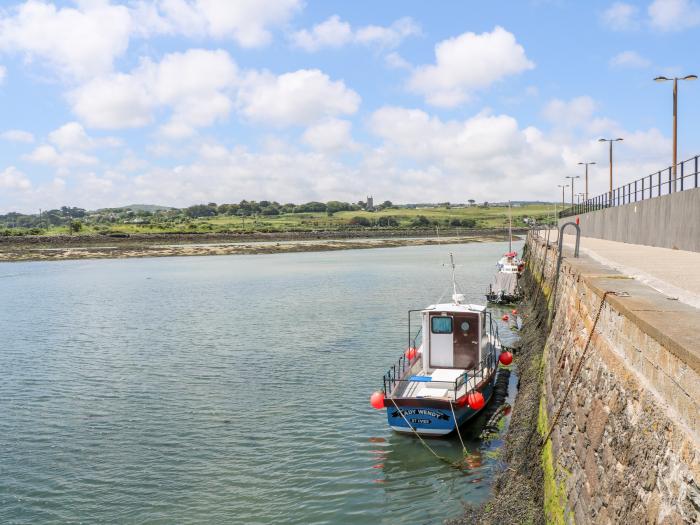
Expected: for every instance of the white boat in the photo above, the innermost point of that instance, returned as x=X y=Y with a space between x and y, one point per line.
x=504 y=289
x=448 y=378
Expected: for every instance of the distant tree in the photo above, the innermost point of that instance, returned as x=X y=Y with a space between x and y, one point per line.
x=387 y=204
x=420 y=221
x=387 y=221
x=471 y=202
x=200 y=210
x=336 y=206
x=312 y=206
x=270 y=210
x=360 y=221
x=75 y=226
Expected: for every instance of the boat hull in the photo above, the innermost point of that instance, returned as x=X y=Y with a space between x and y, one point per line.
x=432 y=417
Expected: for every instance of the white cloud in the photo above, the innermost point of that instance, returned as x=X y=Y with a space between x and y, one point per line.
x=576 y=112
x=388 y=37
x=331 y=33
x=467 y=63
x=330 y=135
x=194 y=84
x=13 y=179
x=621 y=17
x=417 y=157
x=674 y=15
x=17 y=135
x=335 y=33
x=112 y=102
x=629 y=59
x=396 y=61
x=248 y=22
x=298 y=98
x=72 y=136
x=414 y=133
x=50 y=156
x=3 y=74
x=77 y=42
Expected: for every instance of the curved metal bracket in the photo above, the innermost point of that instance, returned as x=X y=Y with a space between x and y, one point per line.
x=561 y=237
x=559 y=257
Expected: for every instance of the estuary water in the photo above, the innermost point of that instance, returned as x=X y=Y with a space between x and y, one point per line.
x=225 y=389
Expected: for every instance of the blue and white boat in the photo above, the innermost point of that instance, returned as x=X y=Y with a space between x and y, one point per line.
x=447 y=375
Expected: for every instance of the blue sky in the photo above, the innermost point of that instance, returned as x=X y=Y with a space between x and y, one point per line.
x=176 y=102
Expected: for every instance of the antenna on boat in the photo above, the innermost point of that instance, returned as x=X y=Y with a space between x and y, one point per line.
x=456 y=297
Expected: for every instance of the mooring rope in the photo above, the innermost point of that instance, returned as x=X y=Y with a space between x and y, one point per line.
x=577 y=369
x=443 y=459
x=464 y=449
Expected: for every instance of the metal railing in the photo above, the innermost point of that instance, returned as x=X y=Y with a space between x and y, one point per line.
x=649 y=187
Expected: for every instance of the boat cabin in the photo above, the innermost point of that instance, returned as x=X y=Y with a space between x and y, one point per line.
x=452 y=335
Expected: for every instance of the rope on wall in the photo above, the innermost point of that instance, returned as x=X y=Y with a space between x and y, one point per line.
x=577 y=369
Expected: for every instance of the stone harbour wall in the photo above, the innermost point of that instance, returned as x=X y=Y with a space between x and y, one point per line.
x=625 y=447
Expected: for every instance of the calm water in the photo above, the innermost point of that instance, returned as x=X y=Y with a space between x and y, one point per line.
x=229 y=389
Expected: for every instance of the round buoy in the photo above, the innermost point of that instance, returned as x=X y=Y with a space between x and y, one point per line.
x=515 y=312
x=410 y=353
x=476 y=400
x=377 y=400
x=505 y=317
x=505 y=358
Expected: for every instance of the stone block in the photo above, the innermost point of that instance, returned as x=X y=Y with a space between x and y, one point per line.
x=597 y=419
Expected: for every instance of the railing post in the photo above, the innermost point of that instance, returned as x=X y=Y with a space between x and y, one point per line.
x=670 y=175
x=642 y=188
x=659 y=192
x=696 y=171
x=682 y=174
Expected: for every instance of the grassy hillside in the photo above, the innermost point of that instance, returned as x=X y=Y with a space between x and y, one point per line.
x=444 y=218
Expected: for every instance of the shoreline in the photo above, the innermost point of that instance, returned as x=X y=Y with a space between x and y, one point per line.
x=53 y=250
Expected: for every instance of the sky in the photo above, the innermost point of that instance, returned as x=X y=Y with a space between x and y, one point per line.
x=179 y=102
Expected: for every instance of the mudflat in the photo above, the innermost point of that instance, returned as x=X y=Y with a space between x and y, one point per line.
x=114 y=248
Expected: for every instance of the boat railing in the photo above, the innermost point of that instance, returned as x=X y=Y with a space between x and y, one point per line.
x=397 y=372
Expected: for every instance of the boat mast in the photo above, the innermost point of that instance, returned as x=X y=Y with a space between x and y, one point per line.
x=510 y=230
x=454 y=283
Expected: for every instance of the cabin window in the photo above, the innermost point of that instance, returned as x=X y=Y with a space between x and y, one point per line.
x=441 y=325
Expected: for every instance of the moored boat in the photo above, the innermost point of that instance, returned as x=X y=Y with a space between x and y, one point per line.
x=505 y=289
x=445 y=380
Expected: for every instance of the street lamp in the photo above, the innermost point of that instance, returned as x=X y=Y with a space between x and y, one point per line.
x=572 y=177
x=562 y=186
x=586 y=164
x=675 y=117
x=611 y=164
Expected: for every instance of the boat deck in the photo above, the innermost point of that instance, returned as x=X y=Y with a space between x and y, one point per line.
x=440 y=383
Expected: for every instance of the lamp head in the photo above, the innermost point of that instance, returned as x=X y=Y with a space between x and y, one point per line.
x=661 y=79
x=690 y=77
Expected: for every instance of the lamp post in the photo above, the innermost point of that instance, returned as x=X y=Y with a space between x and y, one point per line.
x=562 y=186
x=586 y=164
x=572 y=177
x=611 y=166
x=675 y=117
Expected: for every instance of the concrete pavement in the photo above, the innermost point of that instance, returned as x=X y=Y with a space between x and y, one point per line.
x=674 y=273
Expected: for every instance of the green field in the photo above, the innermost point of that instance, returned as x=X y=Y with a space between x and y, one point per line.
x=444 y=218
